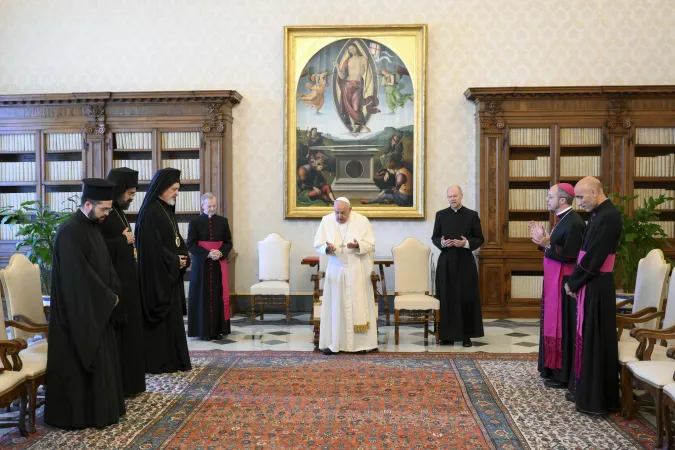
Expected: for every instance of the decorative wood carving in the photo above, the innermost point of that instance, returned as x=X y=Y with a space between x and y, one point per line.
x=491 y=116
x=618 y=113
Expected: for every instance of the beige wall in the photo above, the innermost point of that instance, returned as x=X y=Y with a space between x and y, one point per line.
x=136 y=45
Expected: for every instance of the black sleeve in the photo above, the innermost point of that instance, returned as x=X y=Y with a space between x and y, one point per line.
x=598 y=248
x=159 y=267
x=227 y=241
x=567 y=250
x=436 y=236
x=85 y=302
x=475 y=237
x=200 y=253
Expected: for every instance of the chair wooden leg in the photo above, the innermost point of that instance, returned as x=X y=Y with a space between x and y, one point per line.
x=22 y=414
x=32 y=392
x=627 y=406
x=426 y=325
x=288 y=309
x=317 y=329
x=666 y=422
x=659 y=418
x=436 y=322
x=252 y=308
x=396 y=320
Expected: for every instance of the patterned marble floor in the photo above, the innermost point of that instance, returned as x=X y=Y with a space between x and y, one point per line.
x=273 y=333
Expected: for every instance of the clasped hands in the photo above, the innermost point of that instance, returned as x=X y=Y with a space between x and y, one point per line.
x=183 y=260
x=330 y=248
x=538 y=234
x=129 y=235
x=453 y=242
x=215 y=255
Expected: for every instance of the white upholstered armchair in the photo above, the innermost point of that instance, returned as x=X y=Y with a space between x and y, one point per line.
x=411 y=296
x=274 y=254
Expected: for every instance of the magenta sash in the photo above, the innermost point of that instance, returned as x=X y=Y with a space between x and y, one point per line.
x=554 y=271
x=215 y=245
x=607 y=266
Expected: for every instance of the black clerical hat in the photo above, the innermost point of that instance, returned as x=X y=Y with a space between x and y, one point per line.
x=124 y=177
x=97 y=189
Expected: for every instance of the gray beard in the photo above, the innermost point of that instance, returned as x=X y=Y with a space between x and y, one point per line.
x=171 y=202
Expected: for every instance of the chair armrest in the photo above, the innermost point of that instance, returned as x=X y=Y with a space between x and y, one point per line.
x=621 y=319
x=22 y=318
x=32 y=327
x=642 y=312
x=654 y=334
x=316 y=278
x=374 y=277
x=638 y=332
x=623 y=303
x=12 y=348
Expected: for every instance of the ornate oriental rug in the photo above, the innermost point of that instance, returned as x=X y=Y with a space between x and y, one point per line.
x=298 y=400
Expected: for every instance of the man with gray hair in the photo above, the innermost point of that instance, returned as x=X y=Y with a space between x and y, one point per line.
x=210 y=242
x=348 y=312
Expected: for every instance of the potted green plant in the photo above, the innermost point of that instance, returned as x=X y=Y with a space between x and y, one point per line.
x=640 y=236
x=38 y=224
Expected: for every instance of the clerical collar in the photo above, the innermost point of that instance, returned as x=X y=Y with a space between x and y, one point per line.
x=563 y=211
x=455 y=210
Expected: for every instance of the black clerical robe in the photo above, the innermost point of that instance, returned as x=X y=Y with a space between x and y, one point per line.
x=597 y=387
x=565 y=243
x=162 y=289
x=128 y=316
x=457 y=275
x=207 y=315
x=84 y=384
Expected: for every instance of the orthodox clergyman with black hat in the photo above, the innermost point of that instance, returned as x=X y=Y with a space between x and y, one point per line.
x=128 y=317
x=162 y=262
x=83 y=372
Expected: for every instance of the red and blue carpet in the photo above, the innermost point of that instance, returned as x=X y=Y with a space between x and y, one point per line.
x=284 y=400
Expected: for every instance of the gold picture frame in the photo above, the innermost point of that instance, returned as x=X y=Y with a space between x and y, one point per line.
x=355 y=120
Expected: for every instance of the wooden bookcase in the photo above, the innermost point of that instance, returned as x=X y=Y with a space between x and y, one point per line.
x=49 y=142
x=531 y=138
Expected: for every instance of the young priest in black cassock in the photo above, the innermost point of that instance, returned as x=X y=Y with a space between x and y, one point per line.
x=596 y=387
x=84 y=385
x=457 y=233
x=162 y=262
x=209 y=241
x=128 y=317
x=558 y=310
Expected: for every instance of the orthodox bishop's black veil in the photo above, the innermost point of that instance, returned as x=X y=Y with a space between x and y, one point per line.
x=162 y=180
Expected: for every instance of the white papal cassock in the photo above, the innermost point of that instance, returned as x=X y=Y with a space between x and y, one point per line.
x=348 y=310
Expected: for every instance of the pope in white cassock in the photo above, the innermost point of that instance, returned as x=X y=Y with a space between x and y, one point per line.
x=348 y=311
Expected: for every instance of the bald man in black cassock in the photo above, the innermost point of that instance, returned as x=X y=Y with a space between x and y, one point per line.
x=457 y=233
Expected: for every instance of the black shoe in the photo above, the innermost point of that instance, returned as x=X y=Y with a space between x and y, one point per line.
x=467 y=343
x=569 y=397
x=440 y=342
x=328 y=351
x=555 y=384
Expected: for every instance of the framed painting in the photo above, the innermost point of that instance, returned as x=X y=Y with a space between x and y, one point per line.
x=354 y=111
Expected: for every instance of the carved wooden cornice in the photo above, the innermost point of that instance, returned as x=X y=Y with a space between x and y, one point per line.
x=491 y=117
x=483 y=94
x=215 y=123
x=617 y=112
x=230 y=98
x=97 y=126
